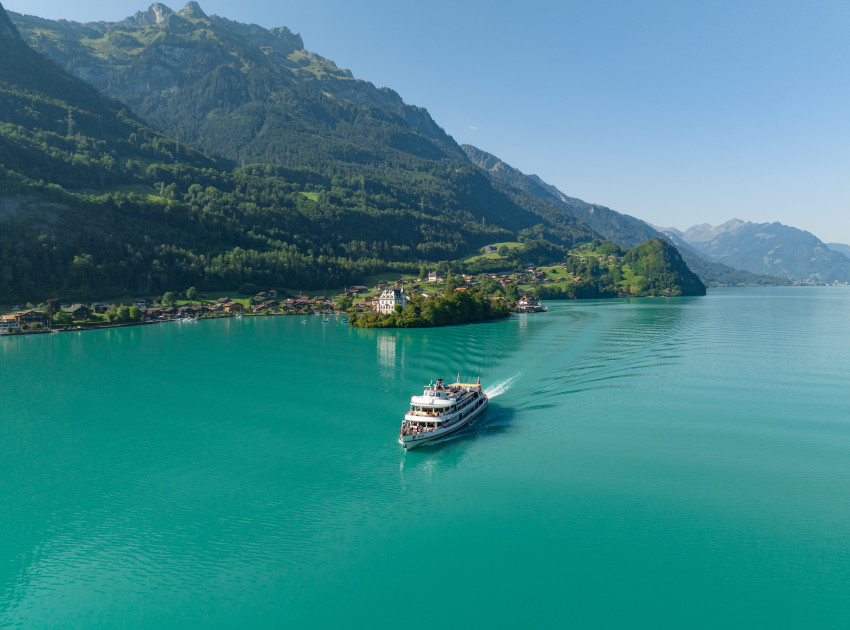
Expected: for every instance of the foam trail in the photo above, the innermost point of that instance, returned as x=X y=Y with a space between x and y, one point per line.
x=501 y=387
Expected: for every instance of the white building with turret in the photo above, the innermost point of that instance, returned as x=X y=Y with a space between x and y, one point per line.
x=388 y=299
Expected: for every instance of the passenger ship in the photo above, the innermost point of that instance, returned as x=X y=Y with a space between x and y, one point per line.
x=441 y=410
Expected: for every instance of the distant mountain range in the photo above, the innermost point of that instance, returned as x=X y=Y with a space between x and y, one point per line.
x=768 y=248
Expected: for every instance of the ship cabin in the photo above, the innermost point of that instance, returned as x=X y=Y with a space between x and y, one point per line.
x=441 y=406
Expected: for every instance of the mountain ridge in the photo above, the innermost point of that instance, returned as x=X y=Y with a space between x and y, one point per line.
x=625 y=230
x=217 y=87
x=151 y=63
x=7 y=27
x=770 y=247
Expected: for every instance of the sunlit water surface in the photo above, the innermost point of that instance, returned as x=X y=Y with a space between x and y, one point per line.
x=643 y=463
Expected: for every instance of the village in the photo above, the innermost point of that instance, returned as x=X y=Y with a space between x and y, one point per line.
x=384 y=294
x=383 y=297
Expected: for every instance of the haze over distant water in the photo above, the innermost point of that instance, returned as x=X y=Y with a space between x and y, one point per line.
x=644 y=463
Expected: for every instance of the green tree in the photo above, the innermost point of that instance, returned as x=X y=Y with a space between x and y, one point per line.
x=191 y=293
x=169 y=299
x=51 y=307
x=451 y=285
x=344 y=303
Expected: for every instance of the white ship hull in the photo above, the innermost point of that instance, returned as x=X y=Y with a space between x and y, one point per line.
x=416 y=440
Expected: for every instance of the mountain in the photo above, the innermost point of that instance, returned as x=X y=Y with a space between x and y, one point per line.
x=239 y=90
x=620 y=228
x=771 y=248
x=256 y=95
x=339 y=180
x=841 y=248
x=94 y=202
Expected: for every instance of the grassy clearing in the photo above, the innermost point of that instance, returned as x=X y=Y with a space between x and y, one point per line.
x=387 y=276
x=139 y=189
x=312 y=196
x=494 y=255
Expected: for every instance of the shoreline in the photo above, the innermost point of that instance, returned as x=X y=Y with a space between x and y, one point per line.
x=49 y=331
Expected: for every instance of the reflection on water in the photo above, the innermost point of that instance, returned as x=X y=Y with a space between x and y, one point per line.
x=386 y=349
x=427 y=463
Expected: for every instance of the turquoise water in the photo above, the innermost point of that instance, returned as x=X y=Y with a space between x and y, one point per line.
x=643 y=463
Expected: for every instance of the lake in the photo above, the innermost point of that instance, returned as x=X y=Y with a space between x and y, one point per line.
x=643 y=463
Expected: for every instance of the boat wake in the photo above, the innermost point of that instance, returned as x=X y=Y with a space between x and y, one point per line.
x=501 y=387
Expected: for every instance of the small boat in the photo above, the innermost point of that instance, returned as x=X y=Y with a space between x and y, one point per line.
x=344 y=320
x=441 y=410
x=303 y=321
x=325 y=320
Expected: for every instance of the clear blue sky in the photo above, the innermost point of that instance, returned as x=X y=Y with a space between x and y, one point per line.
x=675 y=112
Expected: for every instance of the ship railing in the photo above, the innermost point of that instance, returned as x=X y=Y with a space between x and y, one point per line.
x=417 y=430
x=427 y=414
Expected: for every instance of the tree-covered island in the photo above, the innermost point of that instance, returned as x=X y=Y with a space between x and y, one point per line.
x=452 y=308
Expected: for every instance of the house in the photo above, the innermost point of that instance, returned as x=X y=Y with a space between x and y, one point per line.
x=358 y=289
x=388 y=300
x=223 y=300
x=271 y=305
x=78 y=311
x=381 y=285
x=101 y=307
x=233 y=307
x=489 y=249
x=433 y=277
x=31 y=317
x=9 y=323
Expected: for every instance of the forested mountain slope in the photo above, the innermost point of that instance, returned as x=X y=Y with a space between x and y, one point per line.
x=257 y=96
x=95 y=202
